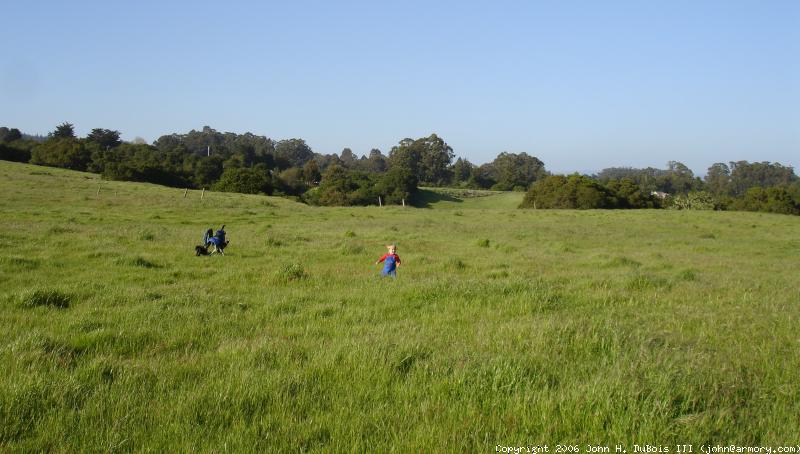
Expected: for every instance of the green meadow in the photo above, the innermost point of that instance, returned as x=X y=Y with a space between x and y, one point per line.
x=504 y=327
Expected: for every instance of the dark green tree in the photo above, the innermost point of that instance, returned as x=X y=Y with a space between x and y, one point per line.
x=482 y=177
x=718 y=179
x=427 y=158
x=462 y=169
x=207 y=171
x=631 y=195
x=516 y=171
x=396 y=185
x=9 y=135
x=104 y=138
x=64 y=131
x=771 y=200
x=745 y=175
x=68 y=153
x=436 y=159
x=376 y=162
x=292 y=181
x=573 y=192
x=295 y=152
x=311 y=173
x=348 y=158
x=255 y=180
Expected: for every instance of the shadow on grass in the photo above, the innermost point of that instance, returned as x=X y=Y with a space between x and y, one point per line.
x=425 y=198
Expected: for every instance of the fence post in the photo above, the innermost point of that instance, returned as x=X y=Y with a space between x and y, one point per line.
x=404 y=202
x=380 y=204
x=185 y=192
x=98 y=188
x=202 y=194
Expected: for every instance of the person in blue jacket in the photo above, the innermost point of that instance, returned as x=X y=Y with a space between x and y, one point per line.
x=218 y=240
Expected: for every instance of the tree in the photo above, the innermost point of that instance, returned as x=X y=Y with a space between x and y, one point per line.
x=397 y=185
x=64 y=131
x=718 y=179
x=574 y=192
x=13 y=147
x=376 y=162
x=631 y=195
x=245 y=180
x=68 y=153
x=292 y=181
x=342 y=187
x=15 y=152
x=348 y=158
x=436 y=159
x=427 y=158
x=771 y=200
x=294 y=151
x=516 y=171
x=327 y=160
x=130 y=162
x=462 y=169
x=745 y=175
x=482 y=177
x=311 y=173
x=207 y=170
x=407 y=155
x=104 y=138
x=645 y=178
x=9 y=135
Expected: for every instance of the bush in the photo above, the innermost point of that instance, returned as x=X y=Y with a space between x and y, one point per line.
x=11 y=152
x=252 y=180
x=698 y=200
x=67 y=153
x=770 y=200
x=573 y=192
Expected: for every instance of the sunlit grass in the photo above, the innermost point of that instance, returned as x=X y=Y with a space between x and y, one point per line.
x=504 y=326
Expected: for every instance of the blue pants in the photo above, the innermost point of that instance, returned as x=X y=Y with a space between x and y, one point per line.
x=389 y=272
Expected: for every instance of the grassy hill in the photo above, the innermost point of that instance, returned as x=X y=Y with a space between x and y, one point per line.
x=505 y=327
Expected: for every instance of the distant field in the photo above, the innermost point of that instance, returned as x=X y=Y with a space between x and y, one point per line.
x=505 y=327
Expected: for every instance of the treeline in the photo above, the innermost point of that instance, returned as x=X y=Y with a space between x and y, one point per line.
x=741 y=185
x=249 y=163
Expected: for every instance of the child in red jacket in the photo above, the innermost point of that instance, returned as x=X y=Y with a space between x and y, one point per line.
x=390 y=261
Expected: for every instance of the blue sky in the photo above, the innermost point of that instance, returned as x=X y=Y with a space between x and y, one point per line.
x=583 y=85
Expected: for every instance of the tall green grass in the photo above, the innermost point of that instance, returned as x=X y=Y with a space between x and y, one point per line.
x=504 y=326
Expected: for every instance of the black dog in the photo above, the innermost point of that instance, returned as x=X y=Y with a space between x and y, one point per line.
x=200 y=250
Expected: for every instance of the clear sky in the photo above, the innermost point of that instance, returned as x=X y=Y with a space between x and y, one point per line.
x=583 y=85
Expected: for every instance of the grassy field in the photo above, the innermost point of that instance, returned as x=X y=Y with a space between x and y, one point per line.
x=504 y=326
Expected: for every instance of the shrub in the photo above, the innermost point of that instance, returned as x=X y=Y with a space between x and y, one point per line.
x=245 y=180
x=9 y=152
x=573 y=192
x=68 y=153
x=771 y=200
x=698 y=200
